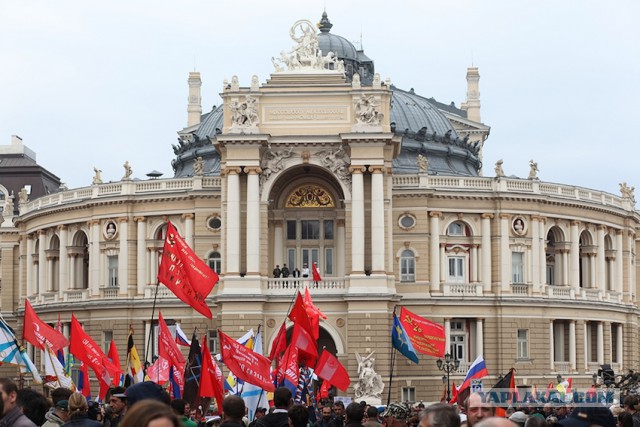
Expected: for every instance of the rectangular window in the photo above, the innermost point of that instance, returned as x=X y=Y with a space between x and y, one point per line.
x=457 y=348
x=550 y=274
x=523 y=344
x=291 y=258
x=328 y=229
x=408 y=394
x=291 y=230
x=456 y=269
x=112 y=266
x=310 y=230
x=213 y=342
x=328 y=261
x=517 y=267
x=107 y=336
x=407 y=269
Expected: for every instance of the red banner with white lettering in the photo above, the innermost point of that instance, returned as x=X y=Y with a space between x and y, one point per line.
x=39 y=333
x=245 y=363
x=186 y=275
x=426 y=336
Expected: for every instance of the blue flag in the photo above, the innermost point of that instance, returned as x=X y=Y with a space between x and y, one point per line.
x=401 y=342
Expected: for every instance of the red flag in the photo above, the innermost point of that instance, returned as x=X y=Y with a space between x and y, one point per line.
x=280 y=343
x=298 y=315
x=305 y=343
x=115 y=359
x=85 y=349
x=245 y=363
x=315 y=273
x=39 y=333
x=167 y=346
x=83 y=383
x=330 y=369
x=186 y=275
x=210 y=377
x=288 y=371
x=454 y=393
x=426 y=336
x=159 y=371
x=323 y=393
x=312 y=310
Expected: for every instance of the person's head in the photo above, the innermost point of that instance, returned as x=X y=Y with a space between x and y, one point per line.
x=396 y=414
x=145 y=390
x=61 y=409
x=547 y=409
x=179 y=406
x=9 y=391
x=589 y=415
x=327 y=412
x=118 y=401
x=625 y=419
x=282 y=398
x=354 y=412
x=536 y=420
x=561 y=410
x=77 y=405
x=372 y=413
x=298 y=416
x=233 y=408
x=439 y=415
x=476 y=409
x=519 y=418
x=261 y=412
x=34 y=405
x=630 y=404
x=60 y=393
x=150 y=413
x=338 y=408
x=496 y=422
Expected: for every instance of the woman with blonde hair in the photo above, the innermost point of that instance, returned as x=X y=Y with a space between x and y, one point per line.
x=150 y=413
x=77 y=409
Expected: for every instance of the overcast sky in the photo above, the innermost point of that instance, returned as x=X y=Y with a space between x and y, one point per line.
x=88 y=83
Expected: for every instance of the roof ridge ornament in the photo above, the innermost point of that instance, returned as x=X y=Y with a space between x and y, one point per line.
x=306 y=55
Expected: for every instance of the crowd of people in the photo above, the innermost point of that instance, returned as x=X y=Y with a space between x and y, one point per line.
x=147 y=404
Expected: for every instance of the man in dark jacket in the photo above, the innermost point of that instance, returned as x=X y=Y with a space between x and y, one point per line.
x=354 y=415
x=233 y=410
x=12 y=415
x=280 y=416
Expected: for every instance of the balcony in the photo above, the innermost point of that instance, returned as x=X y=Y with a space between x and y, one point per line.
x=562 y=367
x=463 y=289
x=560 y=292
x=521 y=289
x=287 y=286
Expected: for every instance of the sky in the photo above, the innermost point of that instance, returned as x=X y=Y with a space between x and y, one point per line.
x=95 y=84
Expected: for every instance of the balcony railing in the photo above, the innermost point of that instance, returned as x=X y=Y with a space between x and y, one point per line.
x=560 y=292
x=562 y=367
x=591 y=294
x=521 y=289
x=463 y=289
x=289 y=284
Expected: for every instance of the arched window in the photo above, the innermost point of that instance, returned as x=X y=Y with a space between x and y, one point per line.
x=215 y=262
x=407 y=266
x=457 y=229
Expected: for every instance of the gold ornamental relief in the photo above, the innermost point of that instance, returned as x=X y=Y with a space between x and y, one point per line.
x=309 y=196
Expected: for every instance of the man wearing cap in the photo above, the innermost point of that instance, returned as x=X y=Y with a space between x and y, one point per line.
x=58 y=415
x=118 y=407
x=396 y=414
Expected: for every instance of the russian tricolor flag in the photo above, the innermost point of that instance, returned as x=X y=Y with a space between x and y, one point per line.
x=477 y=370
x=181 y=337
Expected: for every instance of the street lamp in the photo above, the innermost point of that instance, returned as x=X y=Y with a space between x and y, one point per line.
x=448 y=366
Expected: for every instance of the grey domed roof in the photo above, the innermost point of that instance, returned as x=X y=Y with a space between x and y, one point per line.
x=328 y=42
x=413 y=112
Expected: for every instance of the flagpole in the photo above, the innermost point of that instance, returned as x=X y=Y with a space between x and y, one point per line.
x=391 y=359
x=278 y=338
x=153 y=309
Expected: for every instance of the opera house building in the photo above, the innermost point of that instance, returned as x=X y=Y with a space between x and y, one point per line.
x=327 y=162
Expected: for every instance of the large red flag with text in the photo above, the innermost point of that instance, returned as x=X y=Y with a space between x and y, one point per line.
x=159 y=371
x=39 y=333
x=210 y=377
x=298 y=315
x=245 y=363
x=426 y=336
x=167 y=346
x=186 y=275
x=288 y=370
x=331 y=370
x=85 y=349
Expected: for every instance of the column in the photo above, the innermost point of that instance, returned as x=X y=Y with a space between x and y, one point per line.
x=600 y=343
x=479 y=337
x=486 y=252
x=95 y=280
x=253 y=221
x=619 y=344
x=278 y=242
x=535 y=254
x=565 y=267
x=142 y=262
x=474 y=263
x=434 y=229
x=619 y=262
x=543 y=252
x=233 y=221
x=63 y=280
x=31 y=289
x=608 y=343
x=574 y=256
x=340 y=245
x=592 y=271
x=447 y=335
x=444 y=267
x=188 y=228
x=42 y=263
x=123 y=256
x=600 y=259
x=572 y=345
x=377 y=220
x=552 y=349
x=631 y=280
x=587 y=347
x=505 y=253
x=357 y=219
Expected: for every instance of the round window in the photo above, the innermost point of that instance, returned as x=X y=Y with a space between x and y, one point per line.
x=215 y=223
x=407 y=221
